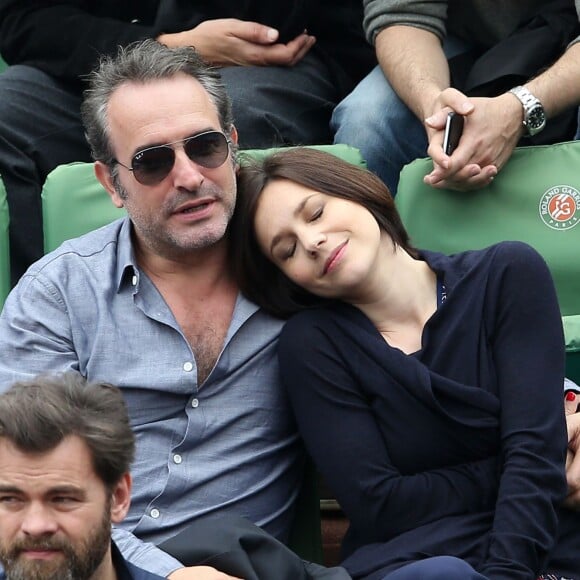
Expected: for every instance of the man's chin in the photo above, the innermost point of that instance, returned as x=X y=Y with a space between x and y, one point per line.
x=50 y=565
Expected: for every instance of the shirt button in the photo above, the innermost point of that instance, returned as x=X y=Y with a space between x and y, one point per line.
x=188 y=367
x=155 y=513
x=177 y=458
x=195 y=403
x=134 y=280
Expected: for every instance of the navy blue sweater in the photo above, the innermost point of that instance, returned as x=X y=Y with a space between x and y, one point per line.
x=458 y=448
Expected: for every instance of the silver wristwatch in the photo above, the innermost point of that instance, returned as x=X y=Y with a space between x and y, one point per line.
x=534 y=115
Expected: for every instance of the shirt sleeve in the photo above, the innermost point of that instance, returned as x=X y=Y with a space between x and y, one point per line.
x=340 y=430
x=35 y=333
x=528 y=349
x=143 y=554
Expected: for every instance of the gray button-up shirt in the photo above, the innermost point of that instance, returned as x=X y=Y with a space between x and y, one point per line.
x=228 y=445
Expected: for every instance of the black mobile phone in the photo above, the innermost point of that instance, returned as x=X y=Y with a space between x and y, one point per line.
x=453 y=130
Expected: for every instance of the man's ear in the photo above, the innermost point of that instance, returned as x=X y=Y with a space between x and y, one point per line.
x=234 y=134
x=234 y=139
x=103 y=174
x=121 y=499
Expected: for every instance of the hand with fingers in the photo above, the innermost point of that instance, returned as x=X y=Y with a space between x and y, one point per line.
x=229 y=41
x=571 y=403
x=491 y=131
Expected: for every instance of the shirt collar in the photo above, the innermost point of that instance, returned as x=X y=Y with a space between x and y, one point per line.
x=126 y=261
x=128 y=272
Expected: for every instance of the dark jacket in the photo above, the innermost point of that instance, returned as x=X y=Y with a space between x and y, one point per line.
x=64 y=38
x=127 y=571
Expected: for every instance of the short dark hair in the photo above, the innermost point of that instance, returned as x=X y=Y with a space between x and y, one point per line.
x=142 y=62
x=259 y=279
x=37 y=415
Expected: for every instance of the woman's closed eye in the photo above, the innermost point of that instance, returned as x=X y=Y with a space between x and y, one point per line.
x=317 y=214
x=288 y=252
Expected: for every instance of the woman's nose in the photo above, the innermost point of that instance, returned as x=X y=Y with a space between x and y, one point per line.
x=314 y=241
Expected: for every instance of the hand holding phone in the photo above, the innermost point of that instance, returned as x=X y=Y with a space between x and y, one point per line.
x=453 y=130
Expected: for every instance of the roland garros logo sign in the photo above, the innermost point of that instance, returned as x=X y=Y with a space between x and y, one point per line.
x=560 y=207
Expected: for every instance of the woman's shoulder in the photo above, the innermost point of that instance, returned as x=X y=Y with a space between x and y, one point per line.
x=513 y=250
x=513 y=256
x=494 y=258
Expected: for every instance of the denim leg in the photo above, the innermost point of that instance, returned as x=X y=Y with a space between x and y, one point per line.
x=276 y=106
x=374 y=119
x=436 y=568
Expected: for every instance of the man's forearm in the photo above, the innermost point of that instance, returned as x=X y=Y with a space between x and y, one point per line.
x=415 y=65
x=558 y=87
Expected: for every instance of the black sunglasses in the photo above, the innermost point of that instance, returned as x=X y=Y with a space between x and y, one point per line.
x=151 y=166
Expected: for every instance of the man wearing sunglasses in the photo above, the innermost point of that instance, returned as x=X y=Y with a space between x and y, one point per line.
x=149 y=303
x=284 y=81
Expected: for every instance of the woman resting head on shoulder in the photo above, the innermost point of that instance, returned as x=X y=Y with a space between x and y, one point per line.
x=427 y=388
x=303 y=265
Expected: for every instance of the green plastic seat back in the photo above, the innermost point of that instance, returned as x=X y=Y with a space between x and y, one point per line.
x=4 y=246
x=535 y=198
x=74 y=203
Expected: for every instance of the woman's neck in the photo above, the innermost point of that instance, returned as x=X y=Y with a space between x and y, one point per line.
x=402 y=294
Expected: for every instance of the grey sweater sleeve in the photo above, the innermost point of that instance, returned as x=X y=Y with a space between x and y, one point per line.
x=379 y=14
x=431 y=16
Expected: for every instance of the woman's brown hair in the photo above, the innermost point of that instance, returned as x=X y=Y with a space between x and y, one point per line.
x=259 y=279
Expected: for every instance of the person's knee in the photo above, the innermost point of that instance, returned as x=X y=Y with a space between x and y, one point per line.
x=373 y=119
x=451 y=568
x=369 y=108
x=276 y=106
x=434 y=568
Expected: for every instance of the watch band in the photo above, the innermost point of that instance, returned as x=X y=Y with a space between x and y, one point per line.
x=534 y=116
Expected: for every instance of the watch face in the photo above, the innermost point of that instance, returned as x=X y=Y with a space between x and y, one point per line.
x=535 y=119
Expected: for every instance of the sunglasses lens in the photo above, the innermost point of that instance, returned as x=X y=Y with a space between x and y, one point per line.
x=208 y=149
x=153 y=165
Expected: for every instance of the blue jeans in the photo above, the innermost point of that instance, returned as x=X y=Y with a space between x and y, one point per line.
x=374 y=119
x=436 y=568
